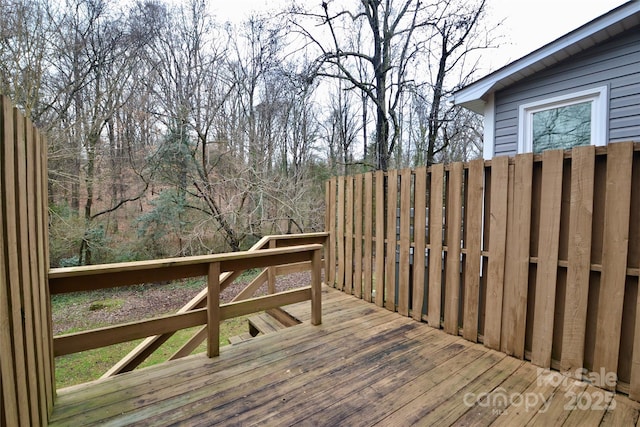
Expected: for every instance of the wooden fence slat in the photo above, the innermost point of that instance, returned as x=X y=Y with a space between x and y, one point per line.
x=348 y=235
x=435 y=246
x=357 y=212
x=33 y=208
x=549 y=242
x=340 y=234
x=614 y=256
x=7 y=372
x=333 y=231
x=42 y=233
x=23 y=252
x=392 y=207
x=368 y=234
x=454 y=225
x=579 y=258
x=419 y=230
x=497 y=251
x=12 y=263
x=473 y=246
x=327 y=227
x=380 y=221
x=517 y=261
x=405 y=242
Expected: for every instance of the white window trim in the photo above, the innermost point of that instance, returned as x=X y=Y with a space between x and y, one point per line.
x=599 y=115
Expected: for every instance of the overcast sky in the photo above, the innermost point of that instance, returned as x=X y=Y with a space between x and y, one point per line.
x=528 y=24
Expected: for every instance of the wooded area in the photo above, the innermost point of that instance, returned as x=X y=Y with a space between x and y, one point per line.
x=535 y=256
x=173 y=133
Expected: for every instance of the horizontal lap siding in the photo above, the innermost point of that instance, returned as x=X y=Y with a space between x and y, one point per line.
x=615 y=63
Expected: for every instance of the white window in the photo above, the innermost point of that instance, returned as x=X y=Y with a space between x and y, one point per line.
x=564 y=122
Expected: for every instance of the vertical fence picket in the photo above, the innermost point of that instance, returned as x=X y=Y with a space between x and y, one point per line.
x=405 y=242
x=348 y=247
x=549 y=232
x=390 y=266
x=368 y=235
x=473 y=242
x=10 y=414
x=579 y=258
x=380 y=221
x=497 y=251
x=435 y=246
x=333 y=232
x=419 y=229
x=340 y=235
x=614 y=256
x=517 y=261
x=357 y=245
x=454 y=225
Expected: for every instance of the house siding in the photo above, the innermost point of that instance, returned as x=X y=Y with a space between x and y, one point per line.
x=615 y=63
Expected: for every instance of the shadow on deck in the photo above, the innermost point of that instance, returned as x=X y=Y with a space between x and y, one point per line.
x=364 y=365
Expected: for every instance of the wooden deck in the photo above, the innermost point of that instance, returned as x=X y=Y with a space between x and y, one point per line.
x=364 y=365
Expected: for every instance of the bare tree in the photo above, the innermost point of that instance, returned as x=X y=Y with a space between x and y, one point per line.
x=400 y=41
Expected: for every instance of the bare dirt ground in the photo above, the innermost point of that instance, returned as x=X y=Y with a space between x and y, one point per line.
x=110 y=307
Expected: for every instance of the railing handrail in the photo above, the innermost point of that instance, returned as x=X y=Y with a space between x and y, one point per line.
x=143 y=350
x=73 y=279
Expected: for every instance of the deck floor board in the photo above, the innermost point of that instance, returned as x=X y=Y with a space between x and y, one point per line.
x=363 y=366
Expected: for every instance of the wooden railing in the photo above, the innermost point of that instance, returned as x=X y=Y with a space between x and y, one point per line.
x=536 y=256
x=149 y=345
x=74 y=279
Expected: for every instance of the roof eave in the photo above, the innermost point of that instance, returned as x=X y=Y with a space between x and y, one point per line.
x=472 y=96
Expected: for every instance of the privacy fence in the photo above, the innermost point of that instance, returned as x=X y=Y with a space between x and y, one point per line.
x=535 y=256
x=26 y=361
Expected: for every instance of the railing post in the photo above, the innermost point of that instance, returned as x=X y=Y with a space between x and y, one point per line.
x=271 y=272
x=213 y=310
x=316 y=289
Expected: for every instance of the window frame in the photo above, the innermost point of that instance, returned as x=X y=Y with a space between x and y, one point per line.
x=599 y=98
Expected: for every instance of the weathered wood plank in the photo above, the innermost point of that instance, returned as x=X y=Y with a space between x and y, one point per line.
x=271 y=273
x=390 y=265
x=266 y=302
x=497 y=251
x=473 y=246
x=419 y=233
x=27 y=284
x=579 y=258
x=332 y=229
x=348 y=235
x=517 y=261
x=213 y=313
x=357 y=241
x=340 y=233
x=94 y=277
x=368 y=236
x=549 y=232
x=12 y=264
x=405 y=242
x=435 y=246
x=316 y=289
x=380 y=236
x=8 y=381
x=614 y=256
x=454 y=226
x=102 y=337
